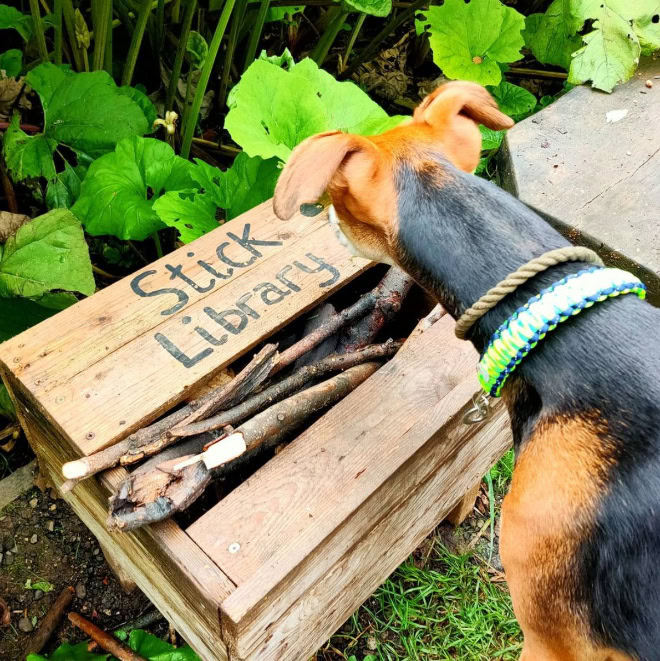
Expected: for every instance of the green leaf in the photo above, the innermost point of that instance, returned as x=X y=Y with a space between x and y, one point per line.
x=119 y=190
x=143 y=101
x=11 y=62
x=64 y=190
x=11 y=18
x=26 y=155
x=7 y=409
x=275 y=14
x=552 y=36
x=155 y=649
x=622 y=31
x=490 y=139
x=42 y=585
x=19 y=314
x=47 y=253
x=193 y=215
x=197 y=49
x=468 y=40
x=66 y=652
x=285 y=60
x=512 y=99
x=372 y=7
x=273 y=110
x=86 y=111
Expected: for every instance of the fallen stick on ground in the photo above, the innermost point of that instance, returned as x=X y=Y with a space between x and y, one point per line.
x=276 y=392
x=12 y=486
x=150 y=440
x=104 y=639
x=5 y=613
x=393 y=288
x=136 y=506
x=50 y=622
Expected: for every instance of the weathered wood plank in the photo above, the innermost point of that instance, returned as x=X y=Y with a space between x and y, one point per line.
x=347 y=471
x=349 y=581
x=598 y=178
x=464 y=506
x=14 y=485
x=138 y=362
x=178 y=577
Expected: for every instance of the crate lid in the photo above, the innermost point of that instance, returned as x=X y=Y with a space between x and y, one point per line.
x=117 y=360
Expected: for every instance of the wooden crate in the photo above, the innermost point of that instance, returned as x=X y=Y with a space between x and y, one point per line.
x=322 y=524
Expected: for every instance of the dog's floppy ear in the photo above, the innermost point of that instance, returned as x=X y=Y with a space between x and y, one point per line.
x=311 y=167
x=440 y=108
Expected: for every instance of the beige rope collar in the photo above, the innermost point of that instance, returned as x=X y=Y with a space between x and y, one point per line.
x=502 y=289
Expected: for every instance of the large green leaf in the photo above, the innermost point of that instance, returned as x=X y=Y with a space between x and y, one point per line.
x=512 y=99
x=11 y=62
x=86 y=111
x=12 y=19
x=66 y=652
x=273 y=110
x=19 y=314
x=47 y=253
x=552 y=36
x=372 y=7
x=154 y=649
x=276 y=14
x=64 y=190
x=490 y=139
x=119 y=190
x=7 y=409
x=468 y=40
x=143 y=101
x=622 y=31
x=27 y=155
x=192 y=214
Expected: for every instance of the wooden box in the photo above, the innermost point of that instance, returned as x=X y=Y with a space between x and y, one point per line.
x=271 y=571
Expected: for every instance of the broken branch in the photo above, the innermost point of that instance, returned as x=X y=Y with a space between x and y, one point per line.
x=273 y=394
x=104 y=640
x=130 y=510
x=50 y=622
x=152 y=439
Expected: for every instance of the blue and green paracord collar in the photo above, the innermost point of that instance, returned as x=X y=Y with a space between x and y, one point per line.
x=521 y=332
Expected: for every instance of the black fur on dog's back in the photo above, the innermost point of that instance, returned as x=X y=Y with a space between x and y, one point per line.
x=460 y=236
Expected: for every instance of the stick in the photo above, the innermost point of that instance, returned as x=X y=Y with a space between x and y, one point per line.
x=105 y=640
x=149 y=440
x=128 y=510
x=50 y=622
x=276 y=392
x=5 y=613
x=322 y=315
x=393 y=288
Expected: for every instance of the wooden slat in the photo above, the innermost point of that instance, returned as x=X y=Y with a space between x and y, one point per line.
x=119 y=377
x=178 y=577
x=317 y=497
x=599 y=179
x=349 y=581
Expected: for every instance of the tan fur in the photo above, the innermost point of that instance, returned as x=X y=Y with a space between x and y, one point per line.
x=358 y=172
x=547 y=513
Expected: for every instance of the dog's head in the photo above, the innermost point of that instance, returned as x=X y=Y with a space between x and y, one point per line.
x=359 y=172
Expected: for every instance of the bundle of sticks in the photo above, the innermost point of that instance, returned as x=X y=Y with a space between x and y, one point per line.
x=225 y=427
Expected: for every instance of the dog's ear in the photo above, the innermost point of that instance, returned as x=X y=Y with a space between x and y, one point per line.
x=441 y=108
x=311 y=167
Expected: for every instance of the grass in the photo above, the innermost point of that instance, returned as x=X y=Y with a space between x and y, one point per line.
x=437 y=605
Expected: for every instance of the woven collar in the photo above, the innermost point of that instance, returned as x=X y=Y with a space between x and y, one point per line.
x=526 y=327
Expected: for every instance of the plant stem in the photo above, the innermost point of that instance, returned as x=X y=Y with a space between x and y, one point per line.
x=236 y=21
x=180 y=53
x=537 y=73
x=328 y=37
x=205 y=76
x=136 y=42
x=101 y=16
x=352 y=40
x=160 y=24
x=39 y=30
x=255 y=33
x=176 y=11
x=394 y=23
x=186 y=101
x=69 y=20
x=58 y=31
x=159 y=247
x=108 y=43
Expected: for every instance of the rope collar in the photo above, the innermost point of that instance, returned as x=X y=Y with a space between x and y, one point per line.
x=521 y=332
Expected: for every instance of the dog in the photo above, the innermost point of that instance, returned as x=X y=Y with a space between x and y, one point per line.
x=580 y=531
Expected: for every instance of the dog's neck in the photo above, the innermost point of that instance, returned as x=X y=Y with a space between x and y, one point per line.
x=460 y=235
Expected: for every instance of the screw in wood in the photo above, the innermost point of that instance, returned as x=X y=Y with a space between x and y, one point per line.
x=234 y=547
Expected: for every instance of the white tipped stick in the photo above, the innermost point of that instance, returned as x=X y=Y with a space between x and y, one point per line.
x=74 y=470
x=219 y=453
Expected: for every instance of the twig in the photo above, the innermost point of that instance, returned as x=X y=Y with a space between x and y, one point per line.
x=128 y=509
x=141 y=622
x=537 y=73
x=276 y=392
x=105 y=640
x=28 y=128
x=320 y=316
x=5 y=613
x=8 y=188
x=393 y=288
x=105 y=274
x=149 y=440
x=50 y=622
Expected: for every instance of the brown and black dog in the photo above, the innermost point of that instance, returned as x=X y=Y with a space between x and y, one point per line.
x=581 y=524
